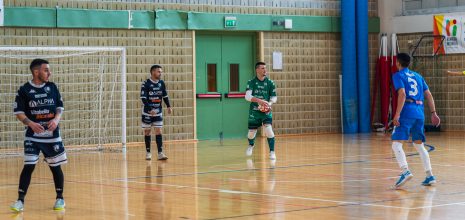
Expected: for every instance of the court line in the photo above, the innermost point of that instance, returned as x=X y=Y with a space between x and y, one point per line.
x=274 y=195
x=315 y=181
x=267 y=168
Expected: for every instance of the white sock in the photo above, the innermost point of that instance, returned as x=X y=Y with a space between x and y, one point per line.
x=424 y=155
x=400 y=155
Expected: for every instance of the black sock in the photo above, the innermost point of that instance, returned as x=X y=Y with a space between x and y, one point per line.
x=59 y=180
x=25 y=180
x=147 y=143
x=159 y=141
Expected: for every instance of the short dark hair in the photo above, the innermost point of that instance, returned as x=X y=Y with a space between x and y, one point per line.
x=403 y=59
x=37 y=63
x=259 y=64
x=156 y=66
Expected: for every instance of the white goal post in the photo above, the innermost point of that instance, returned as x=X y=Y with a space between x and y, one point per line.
x=92 y=82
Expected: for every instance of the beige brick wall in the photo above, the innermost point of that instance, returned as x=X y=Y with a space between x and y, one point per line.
x=308 y=86
x=171 y=49
x=448 y=91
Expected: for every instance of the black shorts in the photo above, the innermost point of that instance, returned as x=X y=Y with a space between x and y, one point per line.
x=54 y=153
x=152 y=121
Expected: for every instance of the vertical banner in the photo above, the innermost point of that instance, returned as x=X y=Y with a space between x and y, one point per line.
x=451 y=27
x=2 y=12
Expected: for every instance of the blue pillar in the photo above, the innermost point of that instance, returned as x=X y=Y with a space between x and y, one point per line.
x=363 y=77
x=349 y=68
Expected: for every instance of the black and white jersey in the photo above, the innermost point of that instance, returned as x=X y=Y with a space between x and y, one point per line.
x=39 y=104
x=152 y=93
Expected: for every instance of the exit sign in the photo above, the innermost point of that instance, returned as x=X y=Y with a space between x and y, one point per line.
x=230 y=22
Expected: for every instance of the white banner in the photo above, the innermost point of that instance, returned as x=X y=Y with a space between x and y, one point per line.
x=451 y=27
x=1 y=12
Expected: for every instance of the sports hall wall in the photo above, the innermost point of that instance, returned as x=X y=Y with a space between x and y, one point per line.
x=448 y=91
x=308 y=85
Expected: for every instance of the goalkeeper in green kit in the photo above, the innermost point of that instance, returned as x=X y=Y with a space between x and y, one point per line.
x=261 y=92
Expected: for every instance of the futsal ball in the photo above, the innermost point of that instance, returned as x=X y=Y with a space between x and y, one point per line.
x=264 y=108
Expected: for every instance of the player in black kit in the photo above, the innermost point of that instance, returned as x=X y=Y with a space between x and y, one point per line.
x=39 y=106
x=152 y=93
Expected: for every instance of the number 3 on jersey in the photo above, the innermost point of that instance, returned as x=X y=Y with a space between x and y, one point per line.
x=413 y=85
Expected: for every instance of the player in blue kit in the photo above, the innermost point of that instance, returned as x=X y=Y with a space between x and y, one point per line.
x=152 y=92
x=409 y=118
x=39 y=106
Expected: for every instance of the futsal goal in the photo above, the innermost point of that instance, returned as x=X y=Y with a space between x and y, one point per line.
x=92 y=83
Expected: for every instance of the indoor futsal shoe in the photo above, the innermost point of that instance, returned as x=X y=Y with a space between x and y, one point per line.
x=272 y=155
x=429 y=181
x=18 y=206
x=403 y=178
x=59 y=205
x=148 y=156
x=162 y=156
x=249 y=150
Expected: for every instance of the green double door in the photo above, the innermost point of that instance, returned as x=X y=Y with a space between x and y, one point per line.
x=224 y=64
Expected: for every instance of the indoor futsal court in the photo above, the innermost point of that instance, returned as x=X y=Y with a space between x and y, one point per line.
x=232 y=109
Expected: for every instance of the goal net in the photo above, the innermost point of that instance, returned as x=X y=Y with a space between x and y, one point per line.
x=92 y=83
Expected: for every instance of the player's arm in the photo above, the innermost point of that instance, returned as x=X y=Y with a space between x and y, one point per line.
x=19 y=110
x=249 y=97
x=401 y=95
x=144 y=97
x=36 y=127
x=166 y=99
x=273 y=96
x=432 y=107
x=455 y=73
x=53 y=124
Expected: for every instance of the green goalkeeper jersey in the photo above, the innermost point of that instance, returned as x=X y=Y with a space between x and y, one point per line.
x=261 y=89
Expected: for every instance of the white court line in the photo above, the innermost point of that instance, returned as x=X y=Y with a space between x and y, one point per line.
x=267 y=194
x=315 y=181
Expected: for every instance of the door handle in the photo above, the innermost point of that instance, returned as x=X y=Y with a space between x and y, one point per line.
x=234 y=95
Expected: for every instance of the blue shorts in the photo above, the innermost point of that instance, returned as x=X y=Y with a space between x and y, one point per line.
x=54 y=153
x=415 y=127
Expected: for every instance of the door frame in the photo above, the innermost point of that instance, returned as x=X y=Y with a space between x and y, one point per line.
x=258 y=54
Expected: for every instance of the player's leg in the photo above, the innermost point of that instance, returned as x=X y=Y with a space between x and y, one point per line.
x=399 y=135
x=418 y=138
x=253 y=124
x=55 y=156
x=31 y=157
x=158 y=124
x=147 y=126
x=268 y=129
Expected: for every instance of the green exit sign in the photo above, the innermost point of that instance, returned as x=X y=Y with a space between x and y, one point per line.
x=230 y=22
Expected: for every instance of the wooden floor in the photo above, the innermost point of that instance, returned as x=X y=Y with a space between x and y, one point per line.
x=315 y=177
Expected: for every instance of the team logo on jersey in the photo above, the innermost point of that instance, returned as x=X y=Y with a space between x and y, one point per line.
x=15 y=105
x=56 y=147
x=32 y=91
x=47 y=89
x=32 y=104
x=41 y=102
x=28 y=143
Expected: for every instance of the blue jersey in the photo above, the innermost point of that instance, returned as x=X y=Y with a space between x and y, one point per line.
x=414 y=86
x=39 y=104
x=152 y=93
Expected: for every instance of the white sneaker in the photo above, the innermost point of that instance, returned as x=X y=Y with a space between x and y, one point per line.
x=162 y=156
x=272 y=155
x=249 y=150
x=148 y=156
x=18 y=206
